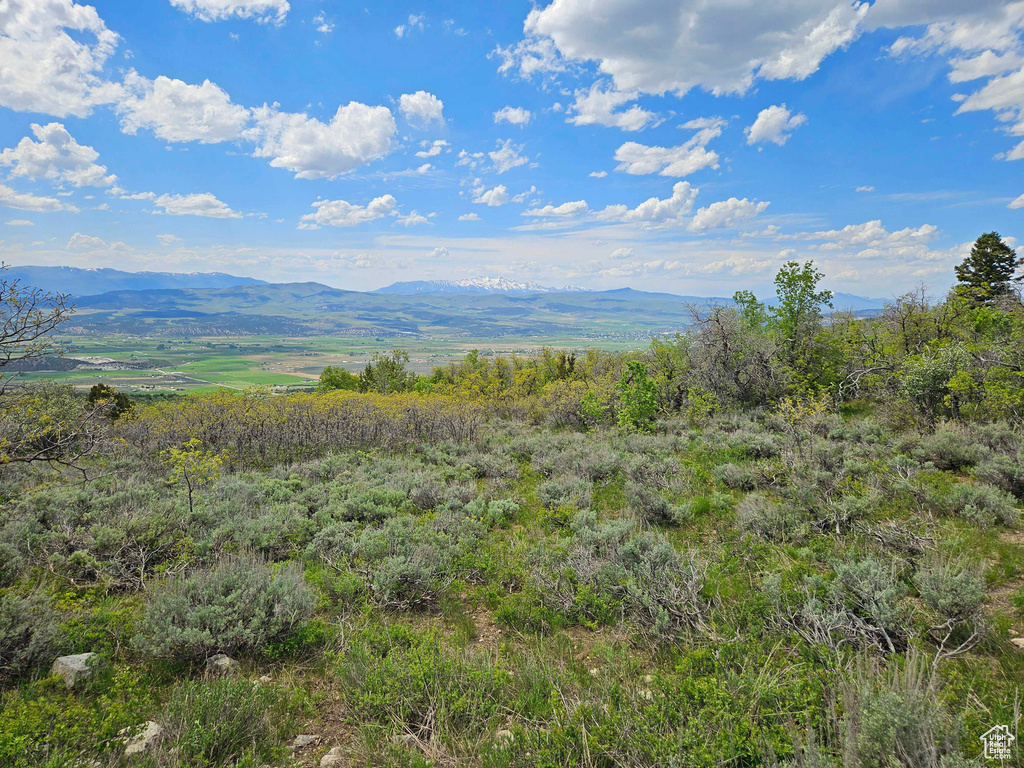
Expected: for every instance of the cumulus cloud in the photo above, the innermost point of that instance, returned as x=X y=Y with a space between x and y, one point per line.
x=80 y=242
x=415 y=22
x=774 y=124
x=660 y=47
x=421 y=109
x=872 y=236
x=687 y=158
x=513 y=116
x=469 y=217
x=597 y=174
x=491 y=197
x=1018 y=203
x=432 y=149
x=575 y=208
x=200 y=204
x=654 y=211
x=323 y=25
x=440 y=252
x=985 y=42
x=10 y=198
x=725 y=214
x=56 y=156
x=263 y=11
x=356 y=135
x=340 y=213
x=599 y=105
x=177 y=111
x=866 y=188
x=622 y=253
x=20 y=223
x=506 y=156
x=52 y=56
x=168 y=239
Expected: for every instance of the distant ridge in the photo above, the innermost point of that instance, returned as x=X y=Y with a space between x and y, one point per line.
x=474 y=285
x=91 y=282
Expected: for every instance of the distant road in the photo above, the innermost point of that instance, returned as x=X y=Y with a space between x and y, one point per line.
x=181 y=375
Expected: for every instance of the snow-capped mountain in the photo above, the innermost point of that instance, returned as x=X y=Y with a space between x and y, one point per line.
x=473 y=285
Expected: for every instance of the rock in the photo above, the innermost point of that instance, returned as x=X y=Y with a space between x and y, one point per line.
x=648 y=679
x=304 y=740
x=505 y=736
x=145 y=741
x=1019 y=642
x=220 y=664
x=332 y=758
x=646 y=694
x=265 y=680
x=74 y=668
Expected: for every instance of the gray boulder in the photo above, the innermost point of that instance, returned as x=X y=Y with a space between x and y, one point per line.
x=220 y=664
x=332 y=758
x=144 y=741
x=74 y=668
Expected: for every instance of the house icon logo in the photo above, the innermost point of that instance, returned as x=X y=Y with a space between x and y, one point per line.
x=997 y=741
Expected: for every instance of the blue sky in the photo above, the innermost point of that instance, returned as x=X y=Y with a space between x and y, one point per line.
x=665 y=145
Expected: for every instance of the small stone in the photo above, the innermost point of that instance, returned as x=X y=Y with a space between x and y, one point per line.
x=304 y=740
x=505 y=736
x=143 y=742
x=74 y=668
x=1019 y=642
x=220 y=664
x=332 y=758
x=648 y=679
x=266 y=679
x=593 y=671
x=646 y=695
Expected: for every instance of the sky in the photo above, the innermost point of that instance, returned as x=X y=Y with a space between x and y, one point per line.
x=670 y=145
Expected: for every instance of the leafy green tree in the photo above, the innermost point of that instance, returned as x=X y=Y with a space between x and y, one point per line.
x=387 y=373
x=990 y=270
x=638 y=398
x=118 y=402
x=797 y=323
x=193 y=467
x=335 y=377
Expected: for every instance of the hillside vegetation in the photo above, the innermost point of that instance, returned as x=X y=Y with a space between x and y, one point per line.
x=780 y=539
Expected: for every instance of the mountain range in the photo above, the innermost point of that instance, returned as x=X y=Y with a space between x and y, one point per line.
x=213 y=304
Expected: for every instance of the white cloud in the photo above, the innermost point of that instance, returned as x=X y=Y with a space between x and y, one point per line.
x=340 y=213
x=654 y=211
x=469 y=217
x=9 y=198
x=513 y=116
x=415 y=22
x=201 y=204
x=432 y=149
x=533 y=56
x=506 y=156
x=985 y=40
x=168 y=239
x=598 y=106
x=356 y=135
x=20 y=223
x=58 y=157
x=176 y=111
x=598 y=174
x=421 y=109
x=412 y=219
x=262 y=11
x=773 y=124
x=726 y=214
x=676 y=46
x=1018 y=203
x=440 y=252
x=323 y=25
x=867 y=188
x=80 y=242
x=491 y=197
x=575 y=208
x=687 y=158
x=52 y=56
x=622 y=253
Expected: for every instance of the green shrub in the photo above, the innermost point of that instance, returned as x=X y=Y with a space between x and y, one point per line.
x=765 y=518
x=980 y=503
x=565 y=491
x=1004 y=471
x=30 y=634
x=225 y=722
x=950 y=448
x=238 y=606
x=651 y=506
